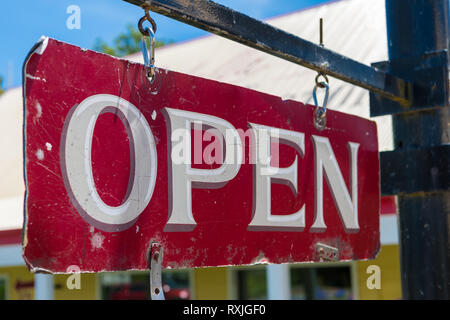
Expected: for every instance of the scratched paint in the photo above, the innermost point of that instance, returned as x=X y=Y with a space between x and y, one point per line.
x=97 y=240
x=58 y=235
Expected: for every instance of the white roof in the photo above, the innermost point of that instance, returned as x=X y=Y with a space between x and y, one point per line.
x=354 y=28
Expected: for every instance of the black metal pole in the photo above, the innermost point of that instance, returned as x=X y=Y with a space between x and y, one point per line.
x=416 y=28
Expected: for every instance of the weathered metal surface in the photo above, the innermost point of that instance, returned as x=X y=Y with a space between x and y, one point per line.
x=406 y=171
x=241 y=28
x=61 y=230
x=424 y=249
x=429 y=75
x=417 y=28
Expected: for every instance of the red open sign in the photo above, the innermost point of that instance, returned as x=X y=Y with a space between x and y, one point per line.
x=216 y=174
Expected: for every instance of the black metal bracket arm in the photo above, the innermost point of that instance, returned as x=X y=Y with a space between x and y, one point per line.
x=411 y=171
x=429 y=75
x=241 y=28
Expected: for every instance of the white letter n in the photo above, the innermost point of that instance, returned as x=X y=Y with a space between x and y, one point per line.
x=325 y=160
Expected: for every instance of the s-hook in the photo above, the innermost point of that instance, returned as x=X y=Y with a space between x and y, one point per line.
x=148 y=54
x=320 y=113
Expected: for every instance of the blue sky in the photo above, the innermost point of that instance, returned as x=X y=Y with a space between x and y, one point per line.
x=23 y=22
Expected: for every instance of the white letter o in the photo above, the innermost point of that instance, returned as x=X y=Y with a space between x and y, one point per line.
x=76 y=164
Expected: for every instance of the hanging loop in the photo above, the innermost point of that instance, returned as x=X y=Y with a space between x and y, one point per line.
x=146 y=17
x=320 y=83
x=148 y=54
x=320 y=114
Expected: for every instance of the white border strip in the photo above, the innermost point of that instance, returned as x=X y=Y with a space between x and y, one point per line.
x=388 y=229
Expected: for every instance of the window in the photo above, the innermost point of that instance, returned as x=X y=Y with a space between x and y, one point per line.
x=3 y=288
x=136 y=285
x=329 y=281
x=252 y=283
x=321 y=283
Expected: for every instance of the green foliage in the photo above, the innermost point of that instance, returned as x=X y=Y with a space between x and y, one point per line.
x=1 y=85
x=125 y=43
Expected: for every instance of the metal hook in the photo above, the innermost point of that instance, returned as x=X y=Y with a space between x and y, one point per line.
x=149 y=19
x=149 y=55
x=320 y=114
x=320 y=83
x=321 y=32
x=156 y=256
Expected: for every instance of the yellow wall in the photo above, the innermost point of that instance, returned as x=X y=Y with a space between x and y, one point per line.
x=21 y=275
x=389 y=262
x=15 y=276
x=211 y=284
x=88 y=290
